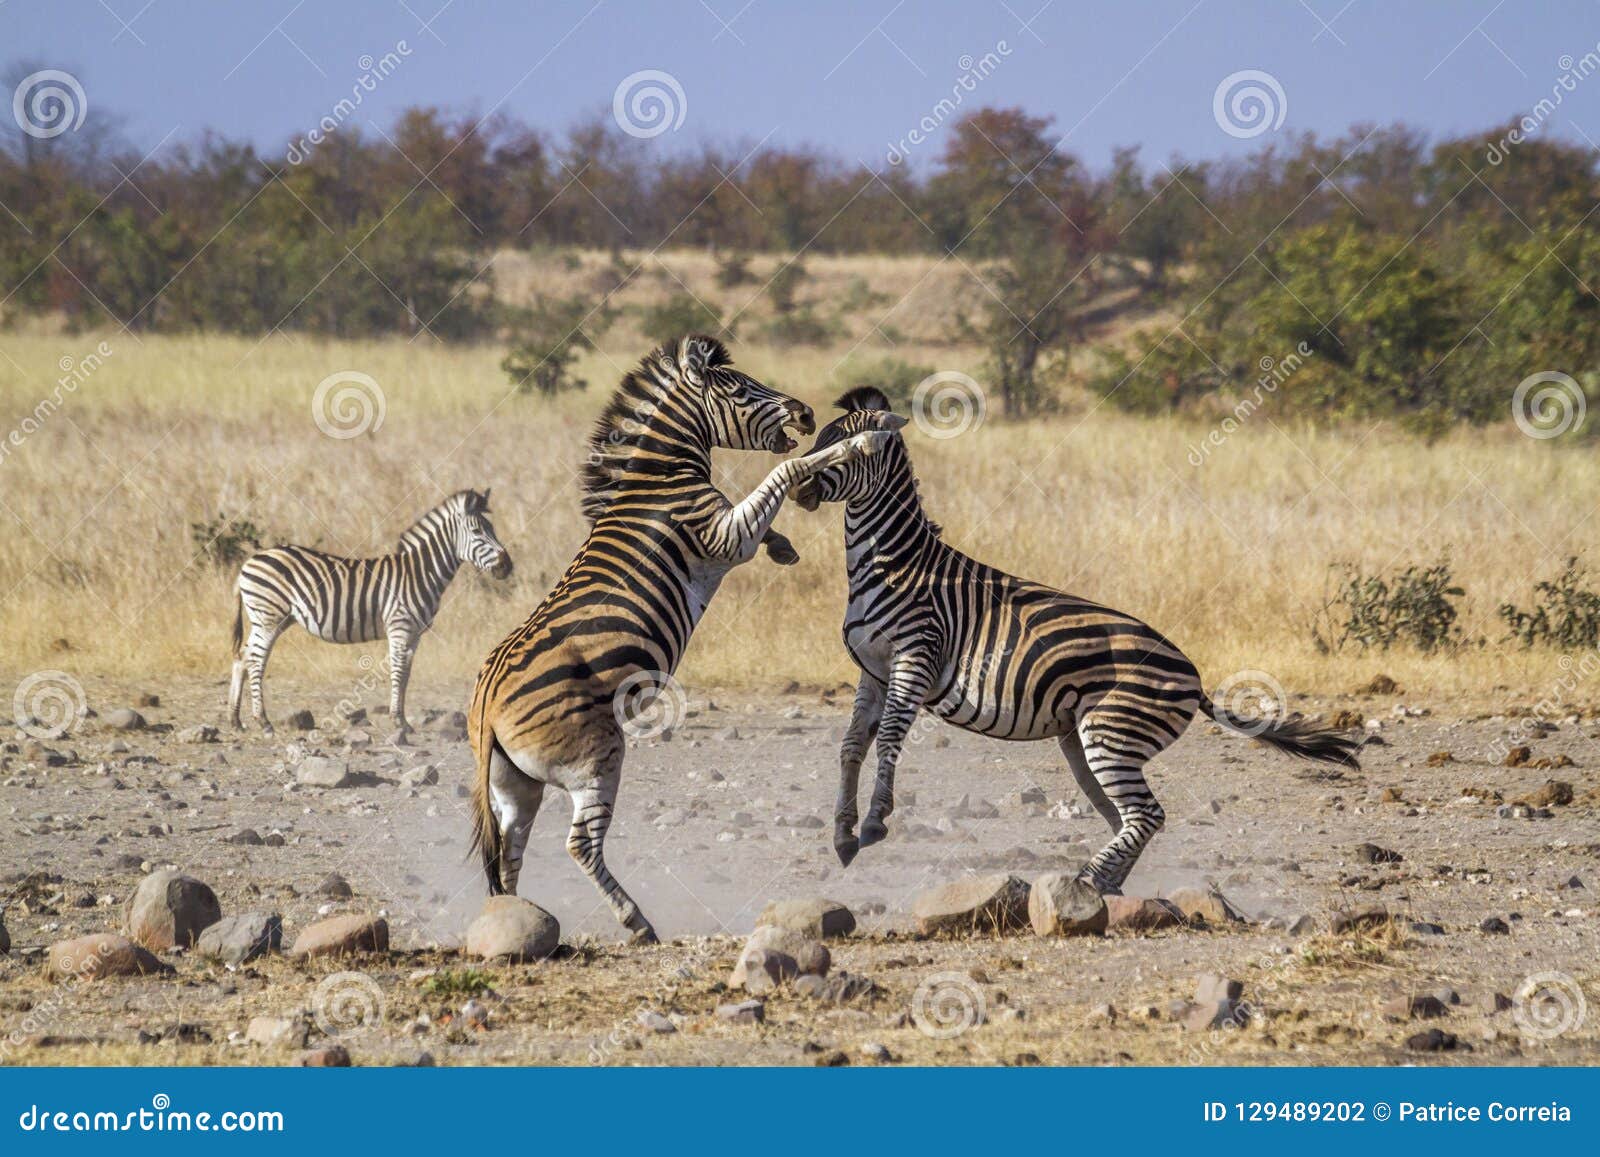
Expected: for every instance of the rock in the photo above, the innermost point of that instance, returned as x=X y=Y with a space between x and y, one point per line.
x=342 y=935
x=1215 y=1014
x=511 y=928
x=248 y=837
x=1493 y=1003
x=1373 y=854
x=1104 y=1013
x=1209 y=988
x=332 y=1057
x=832 y=1059
x=1424 y=928
x=1140 y=914
x=1359 y=919
x=1419 y=1006
x=1435 y=1041
x=1494 y=926
x=1302 y=925
x=744 y=1012
x=200 y=733
x=818 y=918
x=237 y=939
x=5 y=937
x=335 y=887
x=772 y=955
x=424 y=775
x=1204 y=906
x=760 y=970
x=652 y=1021
x=1518 y=756
x=147 y=699
x=125 y=719
x=302 y=720
x=1380 y=685
x=99 y=955
x=1062 y=905
x=839 y=988
x=169 y=909
x=322 y=771
x=996 y=903
x=475 y=1014
x=276 y=1032
x=877 y=1052
x=1554 y=793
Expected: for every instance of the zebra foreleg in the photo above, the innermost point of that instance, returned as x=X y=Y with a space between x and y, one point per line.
x=909 y=681
x=402 y=646
x=591 y=817
x=857 y=738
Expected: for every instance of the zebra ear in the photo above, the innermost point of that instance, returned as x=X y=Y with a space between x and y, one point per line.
x=888 y=421
x=487 y=490
x=694 y=359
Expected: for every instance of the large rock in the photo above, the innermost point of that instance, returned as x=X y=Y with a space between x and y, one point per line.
x=125 y=719
x=1061 y=905
x=1204 y=906
x=236 y=939
x=342 y=936
x=102 y=954
x=773 y=955
x=980 y=904
x=322 y=771
x=511 y=928
x=818 y=918
x=1140 y=914
x=169 y=909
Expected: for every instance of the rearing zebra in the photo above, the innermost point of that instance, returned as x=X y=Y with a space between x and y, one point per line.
x=554 y=698
x=358 y=600
x=1004 y=657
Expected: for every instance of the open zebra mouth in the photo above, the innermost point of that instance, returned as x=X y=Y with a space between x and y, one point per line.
x=801 y=422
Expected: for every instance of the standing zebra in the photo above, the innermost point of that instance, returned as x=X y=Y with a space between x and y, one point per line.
x=358 y=600
x=555 y=699
x=1004 y=657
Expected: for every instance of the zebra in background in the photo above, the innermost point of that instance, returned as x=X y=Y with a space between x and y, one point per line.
x=1003 y=657
x=556 y=698
x=359 y=600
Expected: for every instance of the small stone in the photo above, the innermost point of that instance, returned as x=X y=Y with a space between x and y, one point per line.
x=760 y=970
x=1494 y=926
x=302 y=720
x=838 y=988
x=774 y=954
x=331 y=1057
x=979 y=904
x=744 y=1012
x=1105 y=1013
x=1359 y=919
x=1204 y=906
x=1215 y=1014
x=335 y=887
x=425 y=775
x=652 y=1021
x=169 y=909
x=342 y=935
x=832 y=1060
x=1518 y=756
x=322 y=771
x=1063 y=905
x=1493 y=1003
x=877 y=1052
x=1140 y=914
x=1302 y=925
x=511 y=928
x=475 y=1014
x=818 y=918
x=1419 y=1006
x=245 y=836
x=1210 y=987
x=1435 y=1041
x=125 y=719
x=200 y=733
x=276 y=1032
x=1373 y=854
x=237 y=939
x=99 y=955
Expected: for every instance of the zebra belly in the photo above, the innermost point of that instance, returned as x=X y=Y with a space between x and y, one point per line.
x=996 y=712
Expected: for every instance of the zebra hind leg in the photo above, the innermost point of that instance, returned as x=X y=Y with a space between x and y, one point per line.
x=514 y=798
x=236 y=694
x=1072 y=748
x=257 y=649
x=1120 y=776
x=592 y=805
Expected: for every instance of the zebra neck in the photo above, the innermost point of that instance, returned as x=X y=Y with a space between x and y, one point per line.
x=886 y=532
x=432 y=559
x=671 y=452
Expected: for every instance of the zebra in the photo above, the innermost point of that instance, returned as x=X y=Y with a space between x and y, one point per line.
x=1001 y=656
x=554 y=699
x=359 y=600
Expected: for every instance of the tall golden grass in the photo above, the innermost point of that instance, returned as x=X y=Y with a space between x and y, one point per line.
x=100 y=573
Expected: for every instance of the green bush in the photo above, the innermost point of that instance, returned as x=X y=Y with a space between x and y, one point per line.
x=546 y=339
x=1566 y=613
x=1415 y=606
x=226 y=542
x=733 y=270
x=898 y=379
x=680 y=314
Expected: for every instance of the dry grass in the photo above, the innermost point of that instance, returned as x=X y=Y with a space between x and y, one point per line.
x=1230 y=558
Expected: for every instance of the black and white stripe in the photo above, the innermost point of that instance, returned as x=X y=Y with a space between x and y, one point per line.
x=1002 y=656
x=359 y=600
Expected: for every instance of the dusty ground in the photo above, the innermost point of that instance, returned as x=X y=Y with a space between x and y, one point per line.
x=712 y=826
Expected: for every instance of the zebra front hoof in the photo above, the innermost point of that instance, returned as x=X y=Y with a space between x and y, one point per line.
x=872 y=831
x=644 y=935
x=268 y=730
x=1105 y=889
x=846 y=847
x=400 y=737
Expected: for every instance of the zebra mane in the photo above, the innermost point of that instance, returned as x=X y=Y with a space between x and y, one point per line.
x=870 y=398
x=616 y=432
x=863 y=398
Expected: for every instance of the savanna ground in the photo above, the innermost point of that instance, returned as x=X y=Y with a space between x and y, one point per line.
x=103 y=579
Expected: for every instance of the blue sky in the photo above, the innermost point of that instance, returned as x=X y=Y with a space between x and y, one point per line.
x=851 y=77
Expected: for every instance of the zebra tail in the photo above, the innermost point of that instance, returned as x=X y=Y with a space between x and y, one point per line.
x=486 y=834
x=238 y=622
x=1292 y=733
